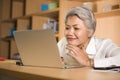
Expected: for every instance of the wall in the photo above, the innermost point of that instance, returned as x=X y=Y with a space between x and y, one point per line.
x=109 y=27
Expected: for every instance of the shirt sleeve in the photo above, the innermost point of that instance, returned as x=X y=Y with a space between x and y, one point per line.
x=61 y=46
x=107 y=55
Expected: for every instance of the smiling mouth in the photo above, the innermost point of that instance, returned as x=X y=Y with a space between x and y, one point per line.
x=71 y=39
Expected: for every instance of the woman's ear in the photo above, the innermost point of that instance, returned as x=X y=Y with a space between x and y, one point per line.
x=91 y=32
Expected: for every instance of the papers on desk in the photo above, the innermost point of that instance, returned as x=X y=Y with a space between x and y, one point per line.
x=107 y=69
x=113 y=70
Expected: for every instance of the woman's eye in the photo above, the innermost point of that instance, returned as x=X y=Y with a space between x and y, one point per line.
x=67 y=28
x=76 y=28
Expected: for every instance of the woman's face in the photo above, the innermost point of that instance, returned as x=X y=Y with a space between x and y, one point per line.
x=76 y=32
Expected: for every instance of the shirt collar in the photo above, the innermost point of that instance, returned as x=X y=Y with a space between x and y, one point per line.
x=91 y=49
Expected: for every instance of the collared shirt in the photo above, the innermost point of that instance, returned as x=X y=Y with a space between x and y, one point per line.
x=104 y=52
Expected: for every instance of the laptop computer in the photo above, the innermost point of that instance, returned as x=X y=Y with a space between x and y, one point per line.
x=38 y=48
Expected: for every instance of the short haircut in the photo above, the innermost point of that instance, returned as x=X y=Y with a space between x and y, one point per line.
x=84 y=14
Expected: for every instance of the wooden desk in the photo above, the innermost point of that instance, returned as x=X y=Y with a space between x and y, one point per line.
x=9 y=68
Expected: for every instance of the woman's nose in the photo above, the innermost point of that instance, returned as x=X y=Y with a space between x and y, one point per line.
x=71 y=31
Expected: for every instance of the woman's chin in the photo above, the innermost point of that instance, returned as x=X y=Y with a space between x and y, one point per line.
x=71 y=43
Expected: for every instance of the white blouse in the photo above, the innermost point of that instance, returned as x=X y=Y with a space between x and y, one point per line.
x=104 y=52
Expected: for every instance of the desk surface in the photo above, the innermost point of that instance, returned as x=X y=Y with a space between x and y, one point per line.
x=33 y=73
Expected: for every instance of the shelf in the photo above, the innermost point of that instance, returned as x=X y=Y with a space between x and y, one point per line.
x=19 y=0
x=54 y=14
x=14 y=19
x=49 y=13
x=7 y=38
x=114 y=12
x=9 y=20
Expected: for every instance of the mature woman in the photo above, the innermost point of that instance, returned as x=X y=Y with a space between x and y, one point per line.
x=80 y=48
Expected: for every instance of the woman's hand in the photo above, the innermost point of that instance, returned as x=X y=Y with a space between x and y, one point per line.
x=79 y=54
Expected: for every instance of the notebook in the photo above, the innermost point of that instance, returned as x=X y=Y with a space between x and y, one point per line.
x=38 y=48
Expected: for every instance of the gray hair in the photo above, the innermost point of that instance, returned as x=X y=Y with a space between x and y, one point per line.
x=84 y=14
